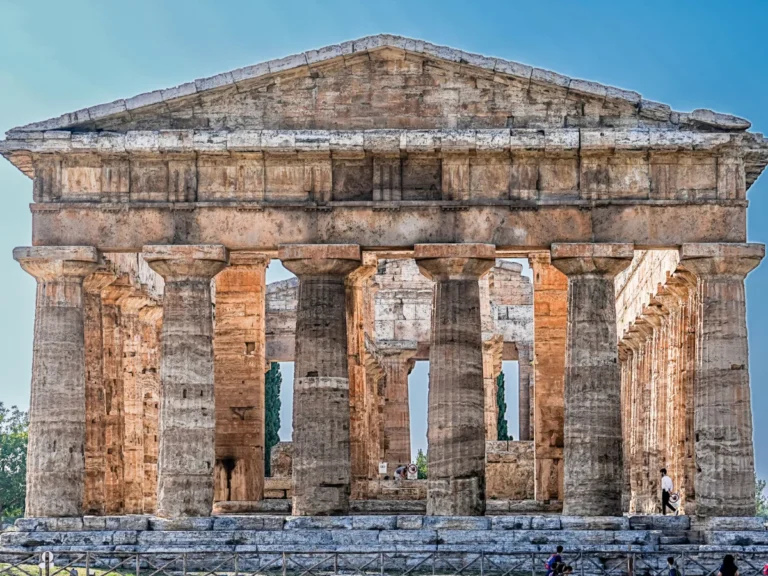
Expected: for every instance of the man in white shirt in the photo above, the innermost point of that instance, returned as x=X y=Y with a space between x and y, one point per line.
x=666 y=490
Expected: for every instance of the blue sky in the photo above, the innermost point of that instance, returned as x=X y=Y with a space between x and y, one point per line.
x=56 y=57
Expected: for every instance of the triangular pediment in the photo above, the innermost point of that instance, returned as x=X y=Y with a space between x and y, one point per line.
x=385 y=81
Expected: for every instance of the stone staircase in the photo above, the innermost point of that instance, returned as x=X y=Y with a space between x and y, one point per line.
x=386 y=533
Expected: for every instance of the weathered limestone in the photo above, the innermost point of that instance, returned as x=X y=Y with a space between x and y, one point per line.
x=95 y=393
x=413 y=151
x=550 y=305
x=397 y=415
x=509 y=470
x=656 y=307
x=187 y=418
x=321 y=459
x=456 y=432
x=57 y=440
x=239 y=364
x=723 y=418
x=593 y=440
x=361 y=401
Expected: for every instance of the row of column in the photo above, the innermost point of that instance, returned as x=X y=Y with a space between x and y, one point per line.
x=592 y=447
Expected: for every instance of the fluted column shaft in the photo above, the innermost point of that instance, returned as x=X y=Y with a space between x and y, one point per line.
x=550 y=303
x=321 y=413
x=456 y=430
x=94 y=499
x=397 y=415
x=725 y=463
x=187 y=416
x=239 y=348
x=56 y=452
x=593 y=441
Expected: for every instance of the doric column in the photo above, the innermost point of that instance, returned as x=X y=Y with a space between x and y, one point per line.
x=95 y=394
x=593 y=442
x=131 y=303
x=492 y=354
x=321 y=457
x=526 y=391
x=397 y=366
x=550 y=303
x=151 y=318
x=187 y=417
x=456 y=432
x=725 y=477
x=359 y=401
x=55 y=456
x=239 y=348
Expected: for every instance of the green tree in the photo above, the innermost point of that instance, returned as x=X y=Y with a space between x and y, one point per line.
x=761 y=500
x=501 y=423
x=421 y=465
x=271 y=413
x=13 y=461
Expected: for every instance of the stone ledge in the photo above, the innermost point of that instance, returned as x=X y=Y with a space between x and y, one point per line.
x=447 y=141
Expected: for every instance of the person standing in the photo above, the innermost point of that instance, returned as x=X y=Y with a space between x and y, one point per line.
x=728 y=567
x=666 y=491
x=554 y=564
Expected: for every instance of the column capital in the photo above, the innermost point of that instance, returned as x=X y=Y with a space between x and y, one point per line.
x=539 y=258
x=186 y=262
x=47 y=263
x=454 y=261
x=320 y=259
x=721 y=259
x=248 y=258
x=96 y=282
x=605 y=260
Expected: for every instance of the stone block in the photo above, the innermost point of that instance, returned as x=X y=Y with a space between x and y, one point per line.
x=125 y=538
x=410 y=522
x=64 y=524
x=186 y=538
x=594 y=523
x=318 y=523
x=389 y=522
x=722 y=523
x=180 y=524
x=26 y=524
x=737 y=538
x=94 y=523
x=388 y=507
x=273 y=522
x=130 y=522
x=240 y=523
x=411 y=537
x=545 y=523
x=457 y=523
x=496 y=506
x=511 y=523
x=479 y=537
x=362 y=539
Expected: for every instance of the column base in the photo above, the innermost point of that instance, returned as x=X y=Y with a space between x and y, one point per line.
x=456 y=497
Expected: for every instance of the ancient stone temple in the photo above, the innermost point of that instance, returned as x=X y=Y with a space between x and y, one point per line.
x=395 y=179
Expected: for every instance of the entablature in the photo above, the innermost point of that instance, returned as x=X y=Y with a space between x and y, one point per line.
x=322 y=166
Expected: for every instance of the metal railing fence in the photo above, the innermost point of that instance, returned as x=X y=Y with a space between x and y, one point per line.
x=360 y=563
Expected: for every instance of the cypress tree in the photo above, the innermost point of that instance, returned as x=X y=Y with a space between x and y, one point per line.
x=272 y=383
x=501 y=423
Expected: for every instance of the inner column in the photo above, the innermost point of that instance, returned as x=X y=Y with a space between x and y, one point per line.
x=55 y=456
x=725 y=460
x=239 y=349
x=321 y=411
x=456 y=433
x=593 y=441
x=397 y=415
x=187 y=417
